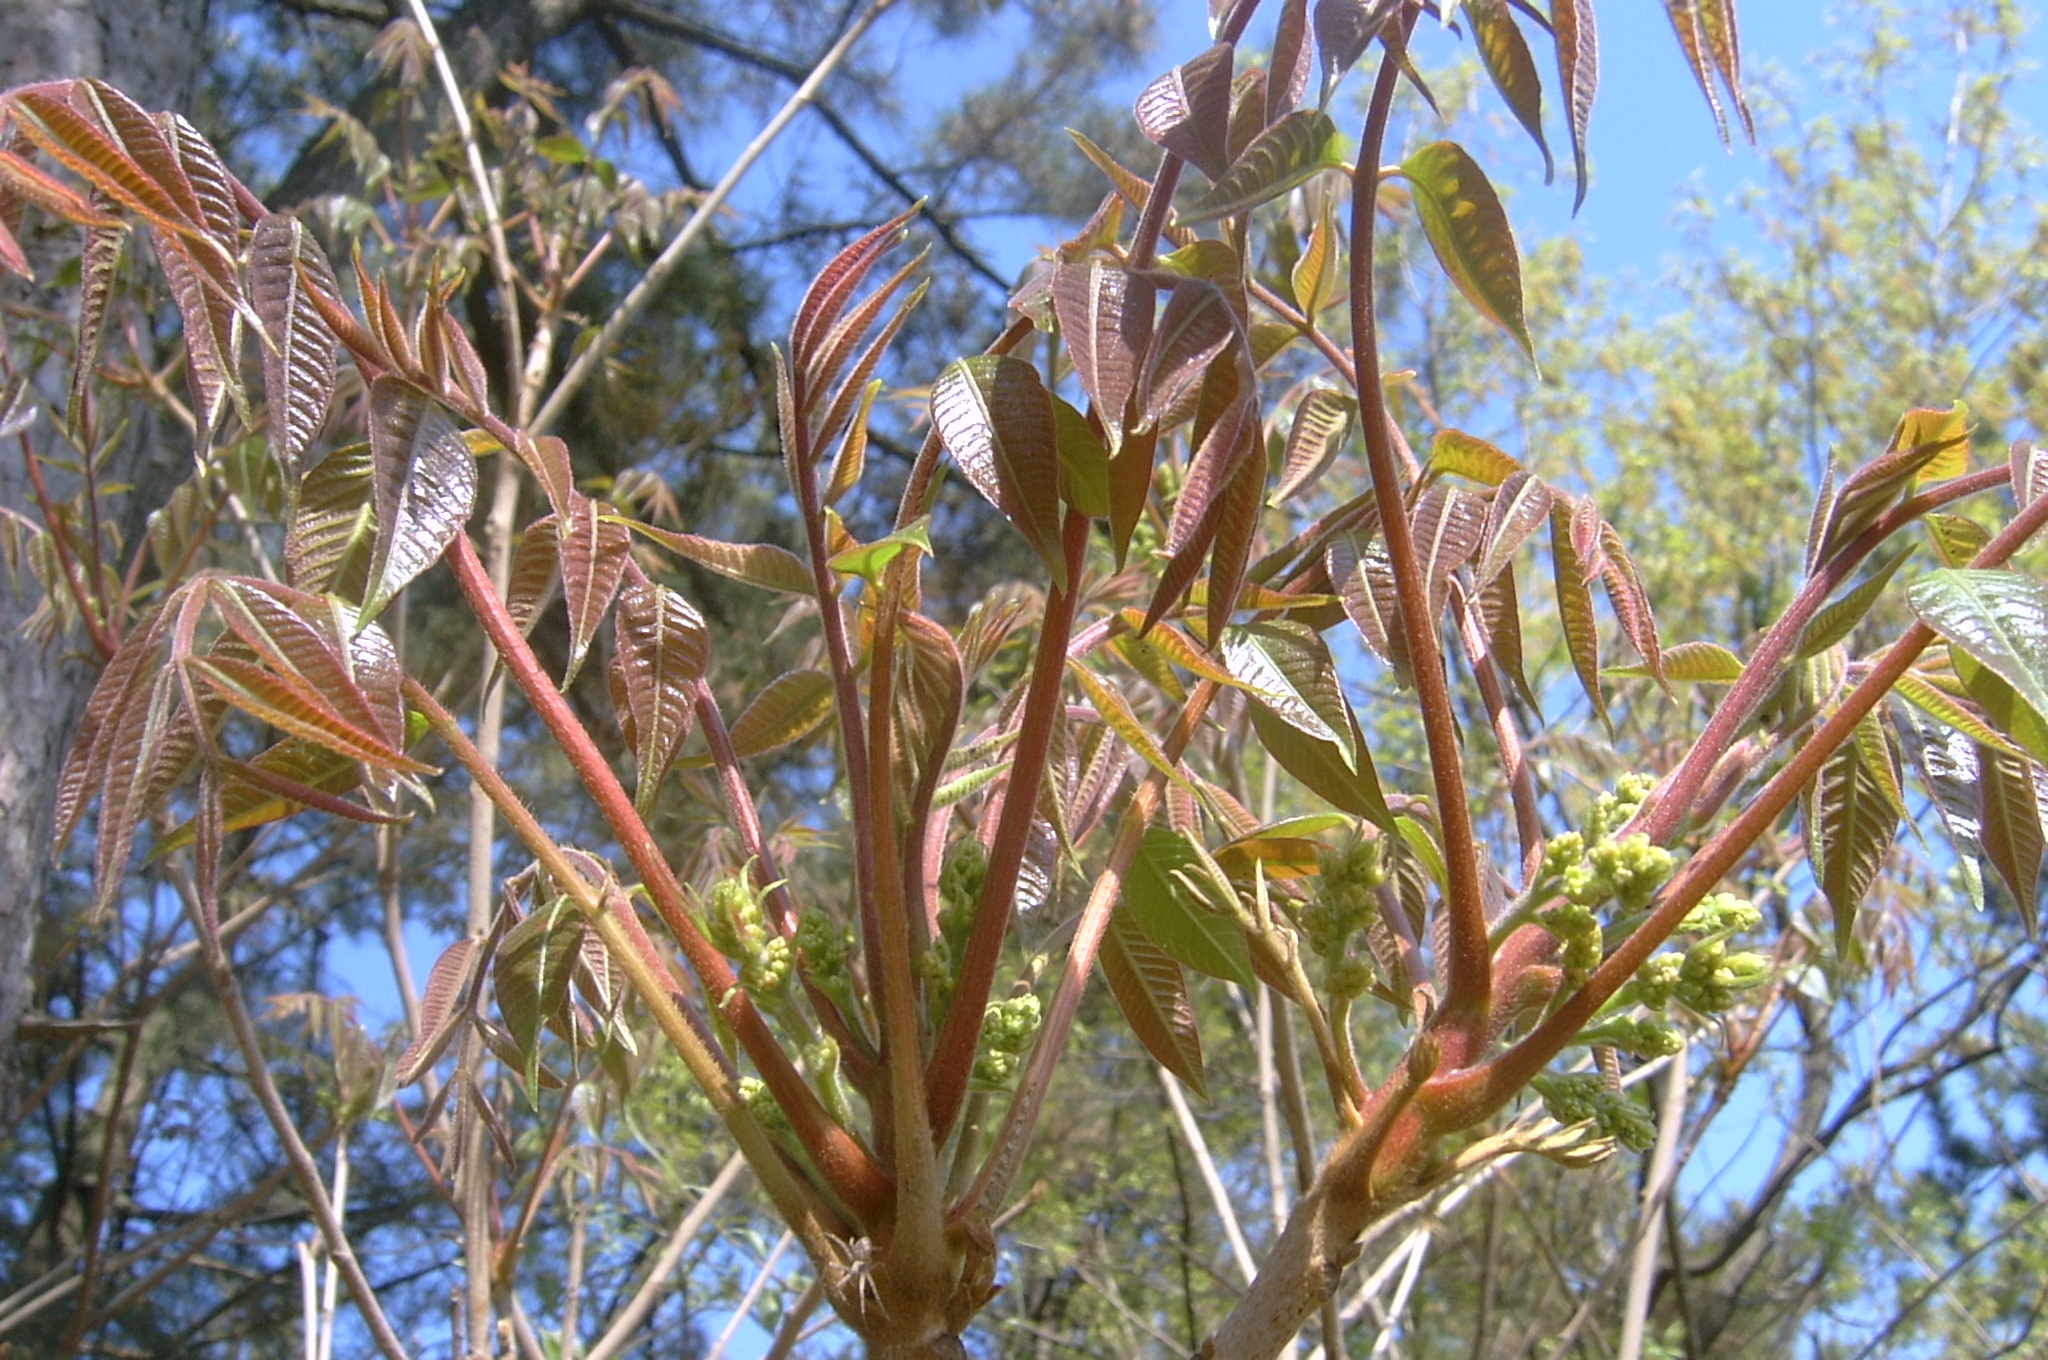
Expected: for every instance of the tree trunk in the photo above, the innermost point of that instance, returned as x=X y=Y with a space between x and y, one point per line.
x=154 y=50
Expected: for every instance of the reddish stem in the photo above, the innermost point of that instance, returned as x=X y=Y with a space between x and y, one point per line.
x=846 y=1167
x=953 y=1056
x=1469 y=962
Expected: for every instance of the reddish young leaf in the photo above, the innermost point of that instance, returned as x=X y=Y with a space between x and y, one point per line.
x=1193 y=330
x=1105 y=316
x=1575 y=603
x=144 y=143
x=1344 y=28
x=1457 y=454
x=212 y=185
x=101 y=727
x=1322 y=426
x=662 y=654
x=81 y=145
x=423 y=485
x=1294 y=150
x=54 y=196
x=2029 y=472
x=1236 y=535
x=1521 y=504
x=1447 y=525
x=757 y=564
x=827 y=296
x=536 y=569
x=98 y=261
x=1291 y=60
x=1578 y=74
x=1717 y=24
x=1500 y=612
x=299 y=360
x=440 y=1012
x=1187 y=111
x=332 y=532
x=1363 y=577
x=213 y=335
x=1631 y=602
x=996 y=419
x=291 y=706
x=1692 y=41
x=592 y=548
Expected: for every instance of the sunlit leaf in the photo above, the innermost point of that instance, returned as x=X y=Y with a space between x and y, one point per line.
x=1105 y=317
x=1455 y=453
x=1298 y=147
x=1521 y=503
x=1322 y=426
x=2010 y=804
x=440 y=1019
x=1116 y=712
x=423 y=484
x=530 y=977
x=1505 y=54
x=663 y=651
x=1871 y=490
x=1853 y=814
x=1938 y=704
x=1318 y=276
x=868 y=560
x=591 y=546
x=1468 y=230
x=1447 y=525
x=1630 y=601
x=1692 y=662
x=1836 y=621
x=793 y=706
x=328 y=544
x=1578 y=75
x=299 y=358
x=1999 y=618
x=1187 y=111
x=1575 y=606
x=757 y=564
x=1957 y=541
x=1194 y=328
x=996 y=419
x=1363 y=576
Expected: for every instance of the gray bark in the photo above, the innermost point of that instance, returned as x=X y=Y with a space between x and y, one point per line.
x=156 y=51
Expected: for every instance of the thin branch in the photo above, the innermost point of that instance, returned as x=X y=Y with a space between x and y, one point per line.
x=642 y=293
x=1205 y=1165
x=619 y=1332
x=1658 y=1180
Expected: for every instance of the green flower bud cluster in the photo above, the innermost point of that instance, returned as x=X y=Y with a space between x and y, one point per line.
x=738 y=929
x=1612 y=810
x=1637 y=1038
x=960 y=888
x=1628 y=871
x=823 y=943
x=1576 y=926
x=1580 y=1097
x=1722 y=914
x=760 y=1104
x=821 y=1060
x=1344 y=897
x=1705 y=979
x=1007 y=1029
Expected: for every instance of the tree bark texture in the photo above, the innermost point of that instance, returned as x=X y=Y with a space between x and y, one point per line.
x=155 y=50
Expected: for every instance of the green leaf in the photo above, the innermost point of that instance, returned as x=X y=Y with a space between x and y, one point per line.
x=1174 y=919
x=1469 y=232
x=996 y=418
x=1838 y=620
x=1122 y=721
x=1084 y=463
x=2000 y=619
x=793 y=706
x=1694 y=662
x=2010 y=794
x=1505 y=54
x=563 y=149
x=1936 y=703
x=1455 y=453
x=1318 y=275
x=1853 y=814
x=1297 y=148
x=868 y=560
x=1322 y=426
x=1152 y=993
x=530 y=977
x=1957 y=541
x=2008 y=713
x=1322 y=768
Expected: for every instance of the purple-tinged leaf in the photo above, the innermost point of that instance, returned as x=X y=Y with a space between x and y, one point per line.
x=757 y=564
x=101 y=727
x=1105 y=316
x=1505 y=54
x=1692 y=41
x=1152 y=993
x=1237 y=531
x=1575 y=604
x=2009 y=793
x=1187 y=111
x=1446 y=524
x=1454 y=453
x=1469 y=232
x=1630 y=601
x=1363 y=577
x=1519 y=506
x=1500 y=612
x=996 y=419
x=213 y=335
x=1344 y=28
x=591 y=547
x=212 y=184
x=536 y=570
x=1293 y=55
x=1948 y=766
x=1578 y=76
x=292 y=707
x=423 y=485
x=548 y=459
x=81 y=145
x=98 y=261
x=1322 y=425
x=663 y=652
x=1194 y=328
x=1717 y=23
x=1294 y=150
x=332 y=533
x=143 y=142
x=299 y=360
x=441 y=1012
x=1871 y=489
x=792 y=707
x=141 y=728
x=826 y=298
x=2029 y=472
